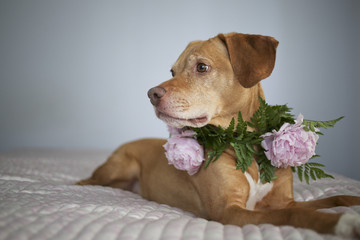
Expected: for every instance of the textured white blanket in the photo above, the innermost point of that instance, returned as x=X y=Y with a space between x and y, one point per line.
x=39 y=201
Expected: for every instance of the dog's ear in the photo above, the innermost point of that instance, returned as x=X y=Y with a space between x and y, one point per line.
x=252 y=56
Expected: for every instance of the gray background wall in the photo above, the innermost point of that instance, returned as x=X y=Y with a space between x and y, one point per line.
x=74 y=74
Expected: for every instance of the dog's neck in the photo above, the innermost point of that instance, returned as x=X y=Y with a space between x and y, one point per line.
x=247 y=108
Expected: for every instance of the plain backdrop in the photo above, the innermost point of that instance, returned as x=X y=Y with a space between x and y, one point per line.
x=74 y=74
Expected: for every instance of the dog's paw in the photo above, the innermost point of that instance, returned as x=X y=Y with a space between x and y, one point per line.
x=84 y=182
x=348 y=226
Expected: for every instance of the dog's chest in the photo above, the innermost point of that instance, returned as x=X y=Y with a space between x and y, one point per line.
x=257 y=192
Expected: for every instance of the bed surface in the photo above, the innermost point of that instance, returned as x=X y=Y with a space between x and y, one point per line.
x=39 y=201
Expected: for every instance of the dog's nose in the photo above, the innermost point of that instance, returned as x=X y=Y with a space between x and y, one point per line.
x=155 y=94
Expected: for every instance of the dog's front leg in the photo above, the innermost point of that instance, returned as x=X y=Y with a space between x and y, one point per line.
x=122 y=169
x=344 y=225
x=334 y=201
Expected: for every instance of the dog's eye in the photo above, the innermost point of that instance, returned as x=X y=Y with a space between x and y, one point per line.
x=202 y=67
x=172 y=73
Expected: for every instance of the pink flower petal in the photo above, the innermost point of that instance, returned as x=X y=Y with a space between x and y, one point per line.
x=291 y=145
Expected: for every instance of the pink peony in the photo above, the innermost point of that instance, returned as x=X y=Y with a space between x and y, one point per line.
x=291 y=145
x=183 y=150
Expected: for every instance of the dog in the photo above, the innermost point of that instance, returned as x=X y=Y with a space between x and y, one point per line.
x=211 y=82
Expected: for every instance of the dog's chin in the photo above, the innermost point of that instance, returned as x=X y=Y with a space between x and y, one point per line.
x=182 y=122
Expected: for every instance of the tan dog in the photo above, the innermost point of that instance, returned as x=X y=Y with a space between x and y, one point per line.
x=212 y=81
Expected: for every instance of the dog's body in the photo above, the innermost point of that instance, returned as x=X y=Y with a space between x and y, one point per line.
x=212 y=81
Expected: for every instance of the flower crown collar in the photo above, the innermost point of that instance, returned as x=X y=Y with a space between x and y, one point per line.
x=277 y=141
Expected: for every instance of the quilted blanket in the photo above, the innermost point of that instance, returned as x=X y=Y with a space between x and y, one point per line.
x=38 y=200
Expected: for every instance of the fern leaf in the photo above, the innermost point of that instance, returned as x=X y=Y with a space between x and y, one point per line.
x=321 y=124
x=300 y=173
x=312 y=175
x=306 y=173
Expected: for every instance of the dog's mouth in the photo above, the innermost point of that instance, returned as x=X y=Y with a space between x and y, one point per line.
x=182 y=122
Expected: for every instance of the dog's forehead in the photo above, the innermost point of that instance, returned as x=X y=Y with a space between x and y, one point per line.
x=210 y=49
x=190 y=50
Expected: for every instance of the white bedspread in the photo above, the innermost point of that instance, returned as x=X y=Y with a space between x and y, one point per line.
x=39 y=201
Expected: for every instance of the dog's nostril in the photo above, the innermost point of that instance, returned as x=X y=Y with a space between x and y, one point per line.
x=155 y=94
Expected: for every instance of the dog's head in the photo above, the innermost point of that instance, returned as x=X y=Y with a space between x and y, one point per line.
x=213 y=79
